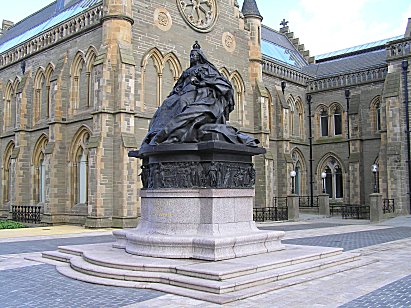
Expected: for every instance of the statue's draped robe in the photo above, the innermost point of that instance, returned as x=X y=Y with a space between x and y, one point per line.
x=198 y=105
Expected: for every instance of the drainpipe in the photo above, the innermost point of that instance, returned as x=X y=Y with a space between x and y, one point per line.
x=407 y=121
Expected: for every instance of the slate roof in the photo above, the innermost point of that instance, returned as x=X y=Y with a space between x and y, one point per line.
x=250 y=8
x=277 y=46
x=41 y=21
x=352 y=63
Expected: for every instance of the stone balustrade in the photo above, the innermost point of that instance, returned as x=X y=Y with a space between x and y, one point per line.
x=70 y=27
x=283 y=72
x=350 y=79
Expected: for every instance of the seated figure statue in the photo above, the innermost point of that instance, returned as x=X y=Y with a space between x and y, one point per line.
x=197 y=108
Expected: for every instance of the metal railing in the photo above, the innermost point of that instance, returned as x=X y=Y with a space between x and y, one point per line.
x=350 y=211
x=304 y=202
x=388 y=206
x=277 y=212
x=26 y=213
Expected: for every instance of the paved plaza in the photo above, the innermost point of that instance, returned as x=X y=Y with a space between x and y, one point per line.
x=384 y=283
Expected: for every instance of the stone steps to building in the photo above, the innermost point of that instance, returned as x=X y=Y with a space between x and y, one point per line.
x=226 y=280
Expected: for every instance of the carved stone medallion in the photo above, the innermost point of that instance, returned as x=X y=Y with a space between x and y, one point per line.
x=201 y=15
x=162 y=19
x=228 y=41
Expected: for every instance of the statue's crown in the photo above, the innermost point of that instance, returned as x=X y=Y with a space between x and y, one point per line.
x=196 y=45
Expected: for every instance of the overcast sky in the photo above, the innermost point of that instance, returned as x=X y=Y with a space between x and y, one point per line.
x=321 y=25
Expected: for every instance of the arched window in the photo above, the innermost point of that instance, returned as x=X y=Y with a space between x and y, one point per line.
x=291 y=104
x=158 y=76
x=239 y=89
x=47 y=103
x=80 y=163
x=337 y=121
x=338 y=182
x=42 y=179
x=324 y=123
x=39 y=95
x=7 y=173
x=329 y=182
x=298 y=179
x=40 y=174
x=300 y=173
x=378 y=116
x=334 y=181
x=299 y=119
x=82 y=176
x=78 y=80
x=9 y=98
x=87 y=95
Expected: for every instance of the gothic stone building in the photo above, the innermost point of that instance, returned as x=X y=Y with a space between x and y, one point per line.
x=80 y=80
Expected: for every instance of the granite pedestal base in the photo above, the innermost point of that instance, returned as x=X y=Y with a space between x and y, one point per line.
x=207 y=224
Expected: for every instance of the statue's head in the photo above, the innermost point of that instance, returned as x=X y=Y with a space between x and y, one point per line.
x=197 y=55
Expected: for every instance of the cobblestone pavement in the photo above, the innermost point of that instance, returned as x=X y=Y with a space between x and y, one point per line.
x=294 y=227
x=50 y=244
x=386 y=283
x=396 y=294
x=354 y=240
x=43 y=286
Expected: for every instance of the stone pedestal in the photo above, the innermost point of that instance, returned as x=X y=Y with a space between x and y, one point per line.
x=376 y=212
x=197 y=202
x=208 y=224
x=324 y=205
x=293 y=208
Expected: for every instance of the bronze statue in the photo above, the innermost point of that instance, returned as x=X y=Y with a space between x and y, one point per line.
x=197 y=108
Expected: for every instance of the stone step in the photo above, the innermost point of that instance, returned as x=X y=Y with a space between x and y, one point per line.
x=216 y=298
x=57 y=256
x=195 y=281
x=106 y=256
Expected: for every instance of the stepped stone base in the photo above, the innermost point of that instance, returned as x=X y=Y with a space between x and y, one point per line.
x=213 y=281
x=207 y=224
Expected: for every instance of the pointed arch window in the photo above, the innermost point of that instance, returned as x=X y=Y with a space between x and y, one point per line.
x=42 y=179
x=334 y=181
x=82 y=176
x=40 y=174
x=338 y=182
x=80 y=172
x=324 y=123
x=378 y=116
x=298 y=179
x=8 y=174
x=337 y=122
x=329 y=182
x=9 y=98
x=239 y=89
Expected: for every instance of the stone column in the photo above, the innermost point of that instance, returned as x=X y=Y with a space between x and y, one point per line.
x=293 y=209
x=324 y=205
x=376 y=213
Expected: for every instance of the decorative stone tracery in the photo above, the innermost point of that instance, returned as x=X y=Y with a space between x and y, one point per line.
x=201 y=15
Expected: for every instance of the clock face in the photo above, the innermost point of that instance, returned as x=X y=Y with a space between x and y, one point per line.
x=201 y=15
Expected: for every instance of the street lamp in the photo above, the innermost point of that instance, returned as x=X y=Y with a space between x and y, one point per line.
x=323 y=176
x=292 y=174
x=374 y=169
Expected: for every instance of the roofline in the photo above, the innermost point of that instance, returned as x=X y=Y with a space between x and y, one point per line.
x=349 y=54
x=34 y=13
